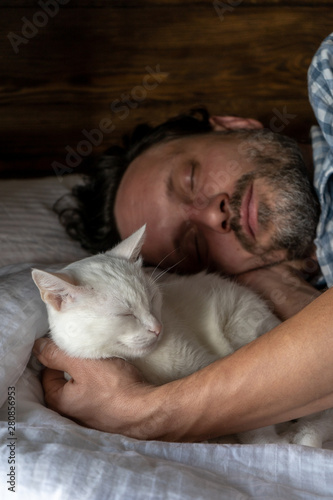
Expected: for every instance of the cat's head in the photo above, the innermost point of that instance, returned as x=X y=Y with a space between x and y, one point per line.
x=105 y=305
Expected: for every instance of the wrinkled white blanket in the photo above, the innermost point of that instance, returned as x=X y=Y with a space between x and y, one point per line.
x=48 y=456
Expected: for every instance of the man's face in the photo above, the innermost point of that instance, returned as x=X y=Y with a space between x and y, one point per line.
x=204 y=206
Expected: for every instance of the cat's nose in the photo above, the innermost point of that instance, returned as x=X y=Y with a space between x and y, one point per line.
x=155 y=327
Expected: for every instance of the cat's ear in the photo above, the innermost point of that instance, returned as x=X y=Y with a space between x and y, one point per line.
x=56 y=289
x=130 y=248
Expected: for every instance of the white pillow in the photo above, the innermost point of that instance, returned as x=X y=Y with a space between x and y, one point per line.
x=23 y=319
x=29 y=229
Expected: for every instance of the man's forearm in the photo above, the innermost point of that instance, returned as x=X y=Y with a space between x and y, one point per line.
x=282 y=375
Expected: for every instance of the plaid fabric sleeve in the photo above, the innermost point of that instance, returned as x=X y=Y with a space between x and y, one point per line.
x=320 y=83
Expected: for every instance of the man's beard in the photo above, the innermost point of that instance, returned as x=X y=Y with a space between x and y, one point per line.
x=294 y=211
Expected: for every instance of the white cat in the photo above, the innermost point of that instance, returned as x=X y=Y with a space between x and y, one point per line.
x=169 y=326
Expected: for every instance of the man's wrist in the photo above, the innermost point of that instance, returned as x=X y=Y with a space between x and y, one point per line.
x=162 y=412
x=153 y=415
x=177 y=411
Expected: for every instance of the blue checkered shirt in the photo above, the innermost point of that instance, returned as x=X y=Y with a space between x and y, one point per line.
x=320 y=82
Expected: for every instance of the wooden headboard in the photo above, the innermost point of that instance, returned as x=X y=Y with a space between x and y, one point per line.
x=77 y=74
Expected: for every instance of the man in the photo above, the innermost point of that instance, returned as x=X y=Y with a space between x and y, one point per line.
x=265 y=382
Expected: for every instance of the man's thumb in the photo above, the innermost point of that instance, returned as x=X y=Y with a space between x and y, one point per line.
x=49 y=354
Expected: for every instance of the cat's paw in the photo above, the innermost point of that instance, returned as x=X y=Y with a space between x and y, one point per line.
x=307 y=437
x=304 y=436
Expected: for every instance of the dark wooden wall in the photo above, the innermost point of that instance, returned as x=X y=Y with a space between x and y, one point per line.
x=88 y=63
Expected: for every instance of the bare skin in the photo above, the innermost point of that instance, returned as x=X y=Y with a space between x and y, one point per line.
x=283 y=286
x=218 y=400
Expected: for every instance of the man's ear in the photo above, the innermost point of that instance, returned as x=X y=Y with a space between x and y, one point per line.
x=222 y=123
x=55 y=290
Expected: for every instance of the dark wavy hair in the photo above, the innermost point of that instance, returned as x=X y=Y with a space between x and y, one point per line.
x=87 y=213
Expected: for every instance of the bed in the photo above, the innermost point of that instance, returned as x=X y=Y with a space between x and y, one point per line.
x=44 y=455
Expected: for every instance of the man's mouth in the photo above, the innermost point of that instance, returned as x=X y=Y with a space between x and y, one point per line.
x=249 y=214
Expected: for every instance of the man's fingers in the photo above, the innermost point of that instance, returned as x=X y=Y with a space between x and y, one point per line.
x=51 y=356
x=233 y=123
x=53 y=383
x=56 y=363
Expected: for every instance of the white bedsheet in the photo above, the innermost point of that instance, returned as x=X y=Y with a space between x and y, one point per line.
x=57 y=459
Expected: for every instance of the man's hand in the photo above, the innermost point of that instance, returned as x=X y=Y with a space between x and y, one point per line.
x=283 y=286
x=108 y=395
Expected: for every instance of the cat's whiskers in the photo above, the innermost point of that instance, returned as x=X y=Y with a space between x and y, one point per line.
x=165 y=257
x=164 y=271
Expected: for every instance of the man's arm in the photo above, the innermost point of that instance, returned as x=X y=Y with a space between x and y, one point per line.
x=284 y=374
x=283 y=286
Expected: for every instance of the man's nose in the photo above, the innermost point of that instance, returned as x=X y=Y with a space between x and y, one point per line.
x=213 y=213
